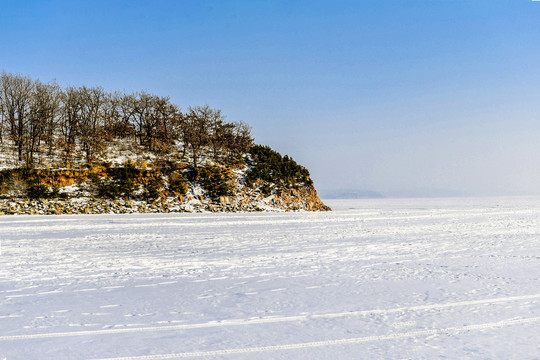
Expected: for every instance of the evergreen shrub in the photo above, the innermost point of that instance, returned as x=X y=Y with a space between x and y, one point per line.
x=268 y=165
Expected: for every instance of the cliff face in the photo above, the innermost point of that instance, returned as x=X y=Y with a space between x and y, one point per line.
x=287 y=184
x=303 y=199
x=97 y=190
x=264 y=181
x=195 y=200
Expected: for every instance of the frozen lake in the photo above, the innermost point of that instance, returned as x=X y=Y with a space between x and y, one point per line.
x=408 y=278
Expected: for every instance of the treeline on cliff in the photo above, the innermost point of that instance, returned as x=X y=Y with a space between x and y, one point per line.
x=44 y=121
x=266 y=170
x=61 y=138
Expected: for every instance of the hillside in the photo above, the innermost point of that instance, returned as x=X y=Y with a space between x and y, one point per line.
x=83 y=150
x=254 y=184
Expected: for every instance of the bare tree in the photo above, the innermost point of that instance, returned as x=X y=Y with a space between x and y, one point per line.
x=141 y=112
x=52 y=104
x=227 y=140
x=196 y=130
x=128 y=107
x=243 y=139
x=91 y=124
x=44 y=106
x=81 y=121
x=217 y=128
x=236 y=140
x=114 y=125
x=16 y=94
x=154 y=120
x=70 y=115
x=164 y=125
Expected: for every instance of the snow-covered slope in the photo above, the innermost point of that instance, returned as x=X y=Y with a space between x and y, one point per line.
x=422 y=279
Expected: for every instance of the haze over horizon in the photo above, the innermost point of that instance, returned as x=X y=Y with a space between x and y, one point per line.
x=406 y=98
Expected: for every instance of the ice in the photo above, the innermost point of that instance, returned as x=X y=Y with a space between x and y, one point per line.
x=382 y=278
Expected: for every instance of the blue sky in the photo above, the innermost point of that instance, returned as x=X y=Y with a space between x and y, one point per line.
x=405 y=97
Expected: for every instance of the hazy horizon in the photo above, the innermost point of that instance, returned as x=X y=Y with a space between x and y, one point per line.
x=397 y=97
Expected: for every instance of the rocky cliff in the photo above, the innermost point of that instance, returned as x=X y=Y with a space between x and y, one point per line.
x=263 y=181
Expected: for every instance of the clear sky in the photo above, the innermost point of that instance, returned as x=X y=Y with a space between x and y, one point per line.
x=404 y=97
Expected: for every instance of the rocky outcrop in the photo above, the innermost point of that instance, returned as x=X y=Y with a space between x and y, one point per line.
x=271 y=183
x=302 y=199
x=245 y=199
x=295 y=200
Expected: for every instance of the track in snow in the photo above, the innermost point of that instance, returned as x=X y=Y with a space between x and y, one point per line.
x=316 y=344
x=432 y=275
x=269 y=320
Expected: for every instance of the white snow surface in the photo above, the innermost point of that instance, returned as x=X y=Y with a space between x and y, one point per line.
x=392 y=279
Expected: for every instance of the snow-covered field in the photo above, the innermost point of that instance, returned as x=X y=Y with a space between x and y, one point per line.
x=447 y=278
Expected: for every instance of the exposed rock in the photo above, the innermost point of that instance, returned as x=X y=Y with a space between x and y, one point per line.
x=241 y=198
x=294 y=200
